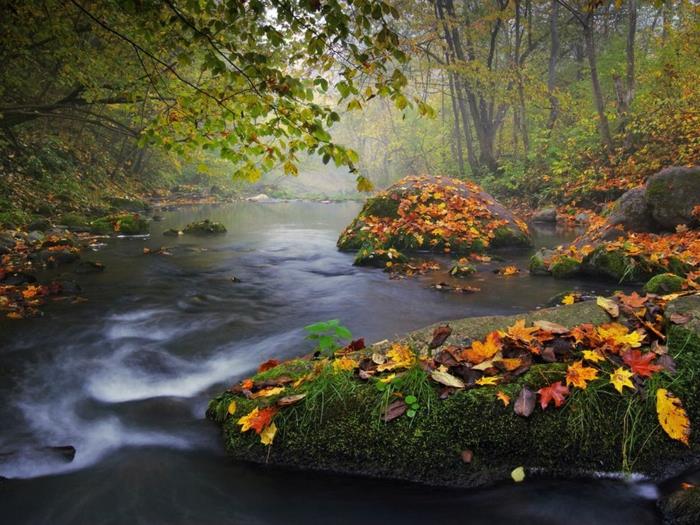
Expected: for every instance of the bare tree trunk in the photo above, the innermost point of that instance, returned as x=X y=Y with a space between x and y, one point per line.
x=603 y=125
x=457 y=131
x=552 y=70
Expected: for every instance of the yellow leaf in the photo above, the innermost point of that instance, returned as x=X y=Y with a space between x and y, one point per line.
x=488 y=381
x=609 y=306
x=267 y=392
x=446 y=379
x=344 y=364
x=268 y=435
x=509 y=271
x=387 y=379
x=568 y=299
x=620 y=378
x=672 y=416
x=505 y=398
x=593 y=356
x=231 y=408
x=399 y=356
x=518 y=474
x=480 y=352
x=247 y=421
x=579 y=375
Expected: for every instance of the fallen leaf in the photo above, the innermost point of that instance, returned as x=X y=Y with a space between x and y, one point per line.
x=578 y=375
x=480 y=352
x=672 y=416
x=395 y=409
x=257 y=419
x=231 y=408
x=518 y=332
x=556 y=393
x=509 y=271
x=569 y=299
x=640 y=363
x=440 y=335
x=518 y=474
x=267 y=392
x=484 y=381
x=268 y=435
x=634 y=300
x=344 y=364
x=267 y=365
x=446 y=379
x=677 y=318
x=398 y=356
x=594 y=356
x=525 y=403
x=551 y=327
x=620 y=378
x=505 y=398
x=467 y=456
x=290 y=400
x=609 y=306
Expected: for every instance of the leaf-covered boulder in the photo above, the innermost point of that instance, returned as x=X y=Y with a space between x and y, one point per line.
x=434 y=213
x=387 y=415
x=204 y=227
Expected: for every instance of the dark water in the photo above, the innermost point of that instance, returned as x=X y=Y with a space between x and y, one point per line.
x=125 y=378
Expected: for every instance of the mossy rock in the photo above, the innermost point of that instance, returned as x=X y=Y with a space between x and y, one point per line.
x=565 y=267
x=538 y=265
x=478 y=220
x=614 y=264
x=379 y=258
x=127 y=204
x=682 y=507
x=205 y=227
x=672 y=195
x=462 y=270
x=664 y=283
x=344 y=431
x=74 y=220
x=127 y=224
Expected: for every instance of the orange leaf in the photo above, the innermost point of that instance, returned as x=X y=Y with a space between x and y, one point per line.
x=257 y=419
x=480 y=352
x=267 y=365
x=578 y=375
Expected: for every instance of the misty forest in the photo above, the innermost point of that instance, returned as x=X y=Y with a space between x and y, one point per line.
x=350 y=261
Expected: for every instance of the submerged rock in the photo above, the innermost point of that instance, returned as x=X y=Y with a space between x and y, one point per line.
x=434 y=213
x=204 y=227
x=548 y=215
x=338 y=423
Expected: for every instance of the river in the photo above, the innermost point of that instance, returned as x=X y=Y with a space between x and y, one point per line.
x=125 y=378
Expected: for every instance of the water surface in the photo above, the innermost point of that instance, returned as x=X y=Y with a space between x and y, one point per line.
x=126 y=376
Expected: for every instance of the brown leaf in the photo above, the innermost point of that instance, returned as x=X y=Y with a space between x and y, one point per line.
x=267 y=365
x=467 y=456
x=677 y=318
x=525 y=403
x=395 y=409
x=290 y=400
x=667 y=362
x=440 y=335
x=551 y=327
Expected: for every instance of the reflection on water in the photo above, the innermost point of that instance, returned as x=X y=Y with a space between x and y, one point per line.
x=125 y=378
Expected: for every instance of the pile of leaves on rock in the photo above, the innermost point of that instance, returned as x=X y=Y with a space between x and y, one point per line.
x=620 y=356
x=21 y=294
x=431 y=213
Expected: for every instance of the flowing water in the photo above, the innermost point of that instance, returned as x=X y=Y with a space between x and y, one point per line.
x=125 y=378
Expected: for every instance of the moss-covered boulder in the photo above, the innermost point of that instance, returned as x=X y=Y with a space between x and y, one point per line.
x=565 y=267
x=379 y=258
x=122 y=224
x=664 y=283
x=434 y=213
x=462 y=268
x=672 y=196
x=337 y=422
x=204 y=227
x=682 y=507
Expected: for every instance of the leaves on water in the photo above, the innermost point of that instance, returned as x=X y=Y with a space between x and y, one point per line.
x=672 y=416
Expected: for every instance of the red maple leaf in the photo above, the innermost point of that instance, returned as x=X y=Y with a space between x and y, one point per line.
x=270 y=363
x=640 y=363
x=263 y=419
x=555 y=392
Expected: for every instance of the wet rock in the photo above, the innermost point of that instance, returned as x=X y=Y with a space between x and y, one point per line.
x=664 y=283
x=87 y=267
x=260 y=197
x=35 y=236
x=682 y=507
x=538 y=262
x=632 y=211
x=66 y=285
x=7 y=242
x=172 y=232
x=476 y=221
x=127 y=204
x=157 y=218
x=204 y=227
x=462 y=269
x=672 y=194
x=582 y=218
x=547 y=215
x=41 y=225
x=123 y=224
x=52 y=259
x=565 y=267
x=379 y=258
x=18 y=278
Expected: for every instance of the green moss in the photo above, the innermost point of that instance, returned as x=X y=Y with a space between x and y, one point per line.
x=462 y=270
x=664 y=283
x=205 y=227
x=682 y=507
x=338 y=426
x=509 y=236
x=538 y=266
x=616 y=265
x=381 y=206
x=565 y=267
x=74 y=220
x=368 y=256
x=127 y=204
x=127 y=224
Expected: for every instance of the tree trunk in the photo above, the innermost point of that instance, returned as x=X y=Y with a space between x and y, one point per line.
x=603 y=125
x=552 y=70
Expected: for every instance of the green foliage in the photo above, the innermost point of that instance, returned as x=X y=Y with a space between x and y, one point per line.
x=328 y=336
